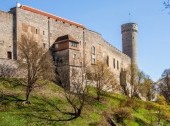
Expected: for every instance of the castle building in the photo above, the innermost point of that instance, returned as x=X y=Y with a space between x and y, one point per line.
x=73 y=44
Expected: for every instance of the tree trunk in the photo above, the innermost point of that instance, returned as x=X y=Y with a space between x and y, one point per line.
x=78 y=113
x=28 y=91
x=98 y=95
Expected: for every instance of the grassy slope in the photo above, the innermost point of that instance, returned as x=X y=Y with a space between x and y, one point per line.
x=48 y=101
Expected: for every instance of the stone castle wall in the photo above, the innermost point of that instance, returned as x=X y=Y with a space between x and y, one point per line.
x=6 y=34
x=117 y=61
x=47 y=30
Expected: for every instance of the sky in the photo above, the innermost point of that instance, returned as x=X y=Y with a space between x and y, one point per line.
x=107 y=16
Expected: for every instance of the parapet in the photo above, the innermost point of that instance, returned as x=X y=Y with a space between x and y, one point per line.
x=129 y=27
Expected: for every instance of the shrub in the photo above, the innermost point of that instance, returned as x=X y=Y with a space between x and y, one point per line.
x=7 y=70
x=121 y=114
x=131 y=103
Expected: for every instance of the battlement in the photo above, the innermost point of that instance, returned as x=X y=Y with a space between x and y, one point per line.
x=129 y=27
x=6 y=14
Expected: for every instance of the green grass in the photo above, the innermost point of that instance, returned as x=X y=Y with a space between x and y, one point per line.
x=49 y=99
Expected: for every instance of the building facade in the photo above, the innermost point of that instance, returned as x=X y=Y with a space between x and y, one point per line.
x=74 y=44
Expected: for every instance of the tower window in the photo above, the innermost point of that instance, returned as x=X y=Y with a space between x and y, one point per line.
x=93 y=50
x=9 y=55
x=43 y=32
x=93 y=60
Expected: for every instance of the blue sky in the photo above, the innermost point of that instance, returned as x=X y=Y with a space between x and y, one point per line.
x=106 y=17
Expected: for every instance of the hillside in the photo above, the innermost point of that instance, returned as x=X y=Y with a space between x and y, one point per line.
x=48 y=107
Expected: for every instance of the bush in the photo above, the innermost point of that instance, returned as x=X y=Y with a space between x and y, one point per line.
x=161 y=100
x=131 y=103
x=121 y=114
x=7 y=70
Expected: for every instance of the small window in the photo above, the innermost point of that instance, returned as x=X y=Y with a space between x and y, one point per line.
x=43 y=32
x=56 y=46
x=50 y=34
x=74 y=44
x=44 y=45
x=93 y=60
x=93 y=50
x=74 y=56
x=36 y=31
x=117 y=64
x=114 y=64
x=9 y=55
x=81 y=64
x=107 y=61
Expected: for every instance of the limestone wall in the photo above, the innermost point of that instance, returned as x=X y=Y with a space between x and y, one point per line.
x=47 y=30
x=6 y=34
x=105 y=52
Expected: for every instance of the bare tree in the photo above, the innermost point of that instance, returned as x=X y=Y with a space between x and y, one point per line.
x=166 y=4
x=78 y=91
x=103 y=78
x=36 y=61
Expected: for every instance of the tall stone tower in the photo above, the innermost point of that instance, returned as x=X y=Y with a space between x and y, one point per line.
x=129 y=40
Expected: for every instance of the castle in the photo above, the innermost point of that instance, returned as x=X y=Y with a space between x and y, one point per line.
x=71 y=41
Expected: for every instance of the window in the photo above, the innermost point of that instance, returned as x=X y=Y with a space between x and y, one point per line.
x=74 y=56
x=44 y=45
x=107 y=61
x=56 y=46
x=74 y=44
x=43 y=32
x=81 y=64
x=9 y=55
x=117 y=64
x=93 y=60
x=114 y=64
x=36 y=31
x=93 y=50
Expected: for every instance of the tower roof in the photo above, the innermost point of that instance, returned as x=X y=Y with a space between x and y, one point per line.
x=50 y=15
x=65 y=38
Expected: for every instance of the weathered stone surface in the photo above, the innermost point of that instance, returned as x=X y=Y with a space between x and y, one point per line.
x=6 y=34
x=46 y=30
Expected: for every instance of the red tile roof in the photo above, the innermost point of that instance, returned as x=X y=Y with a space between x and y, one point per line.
x=50 y=15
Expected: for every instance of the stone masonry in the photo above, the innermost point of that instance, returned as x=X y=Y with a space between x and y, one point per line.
x=46 y=28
